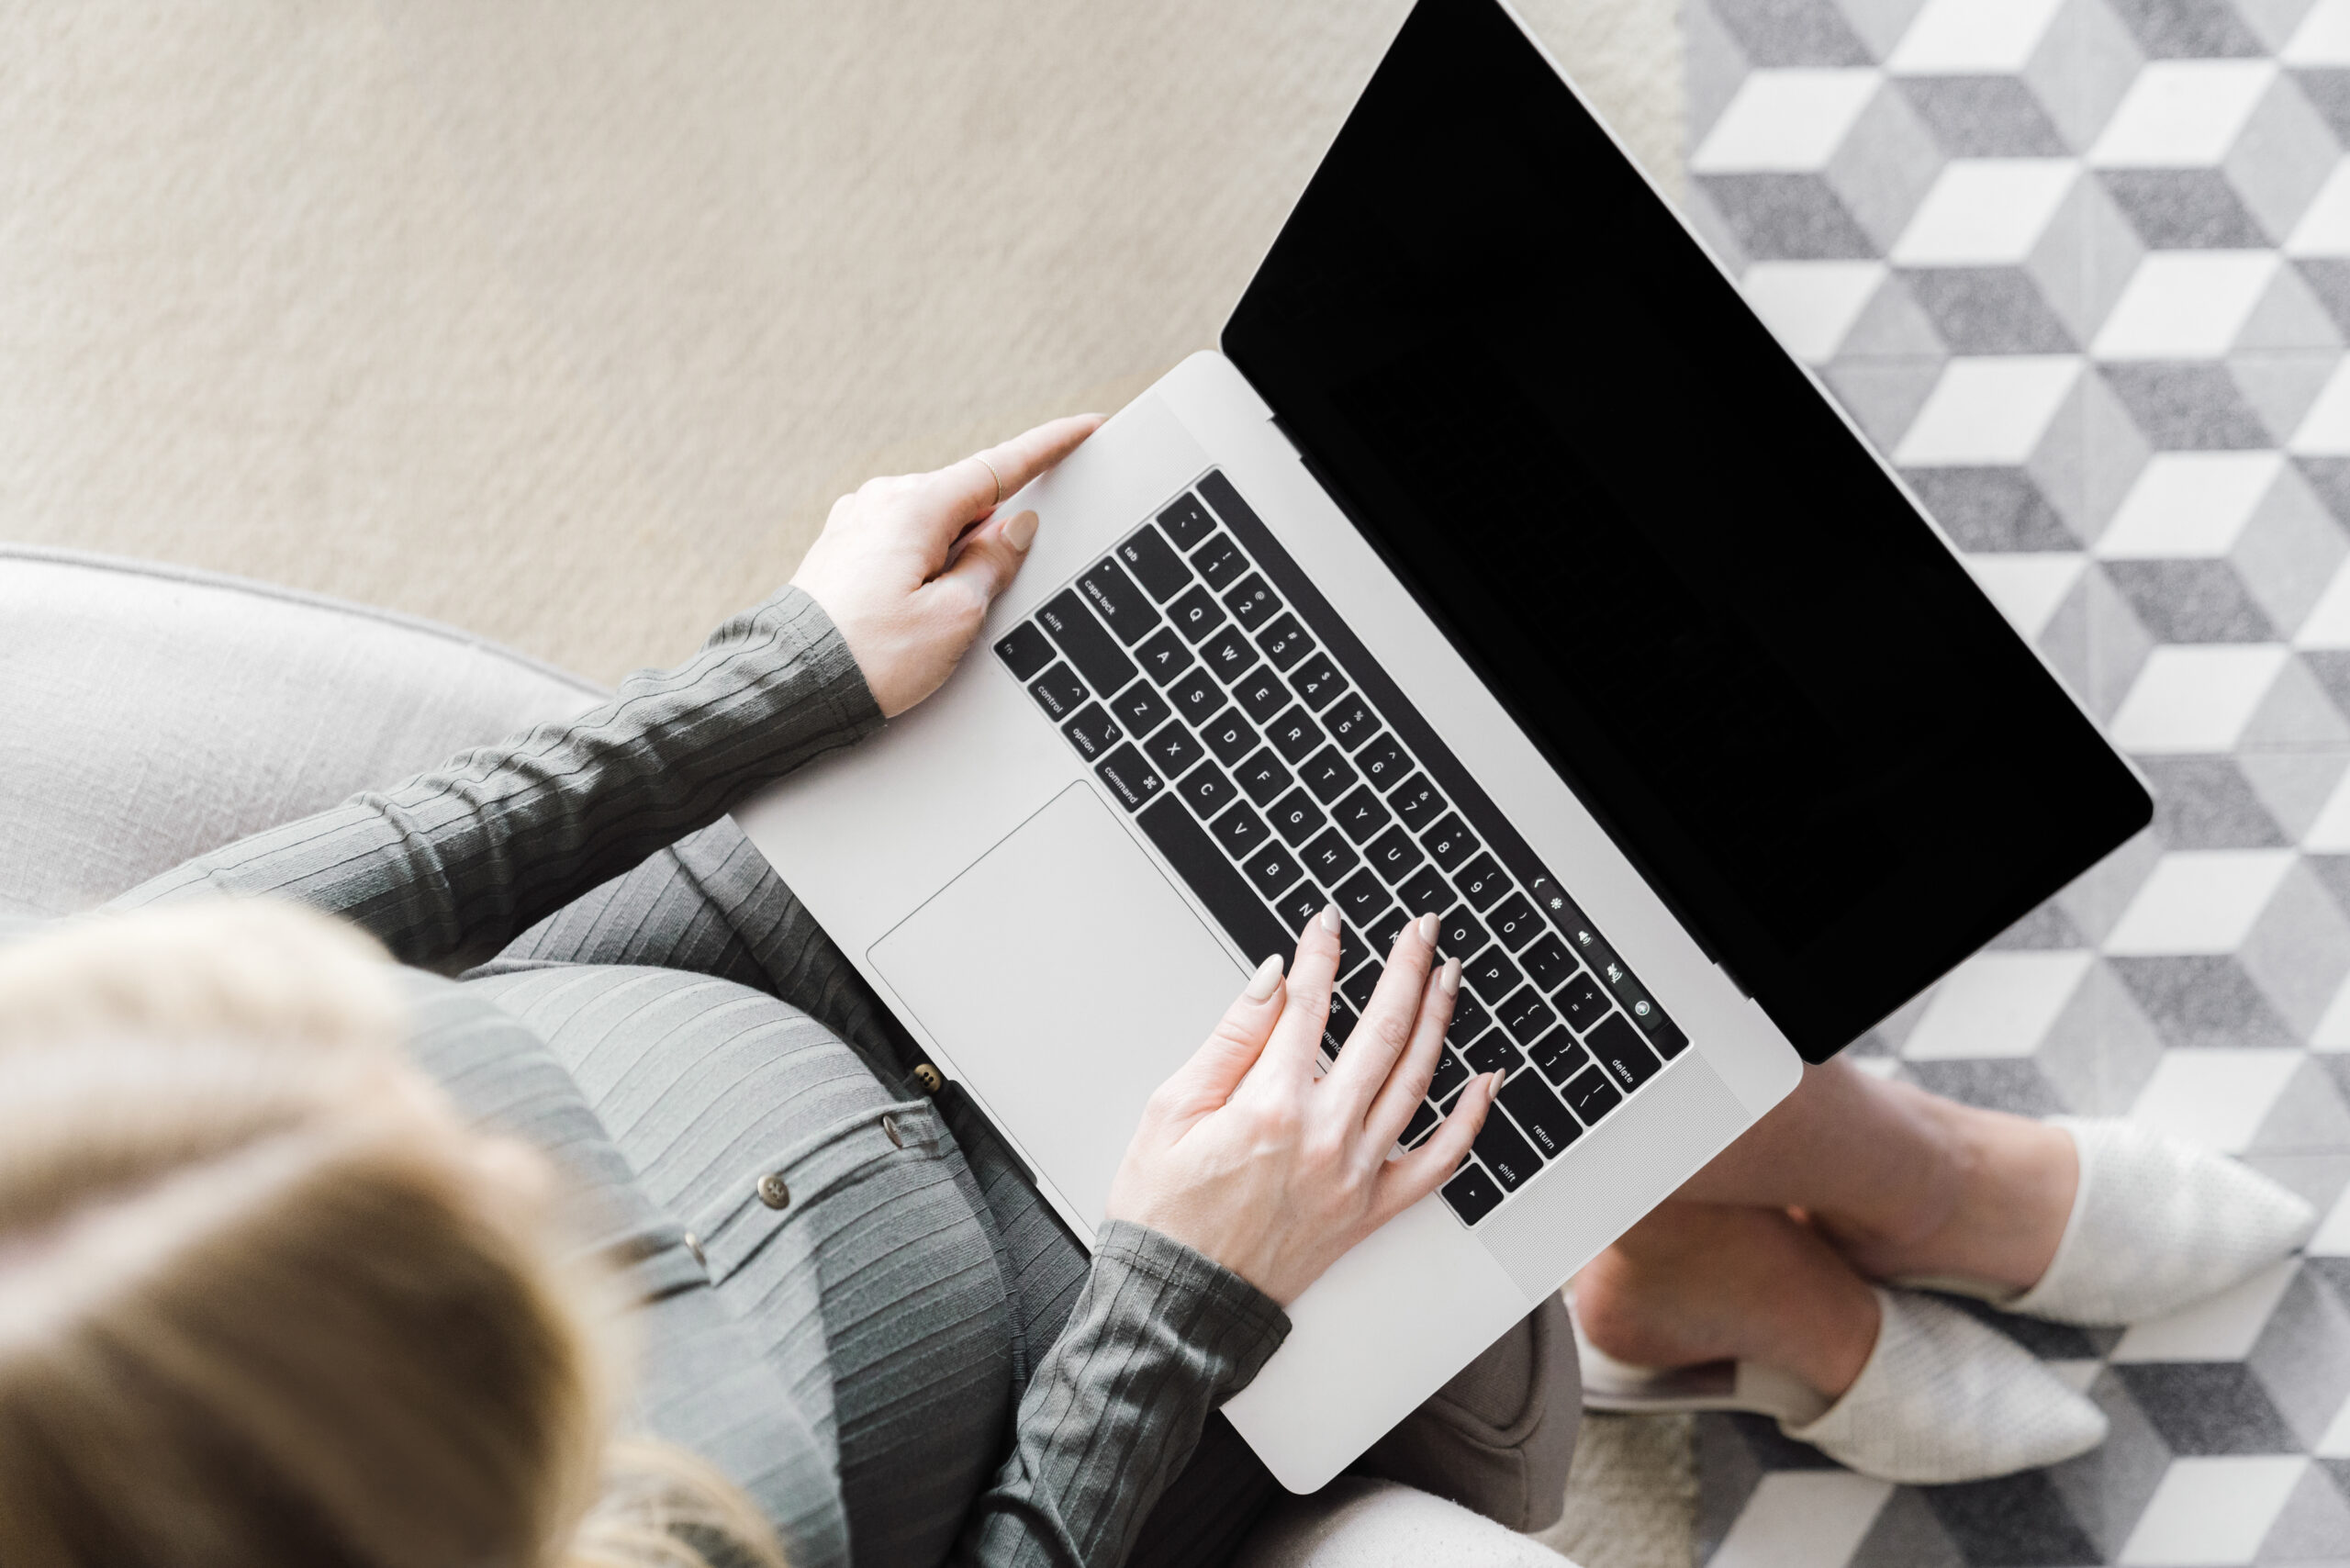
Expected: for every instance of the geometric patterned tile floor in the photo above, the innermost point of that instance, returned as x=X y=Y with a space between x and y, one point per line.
x=2081 y=269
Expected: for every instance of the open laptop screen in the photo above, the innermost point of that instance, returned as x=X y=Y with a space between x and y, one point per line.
x=1664 y=551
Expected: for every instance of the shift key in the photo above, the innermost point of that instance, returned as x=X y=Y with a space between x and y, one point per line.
x=1097 y=656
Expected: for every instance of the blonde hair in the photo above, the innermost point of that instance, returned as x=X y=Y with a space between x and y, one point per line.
x=264 y=1300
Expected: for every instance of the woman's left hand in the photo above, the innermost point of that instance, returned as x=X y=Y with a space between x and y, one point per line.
x=906 y=577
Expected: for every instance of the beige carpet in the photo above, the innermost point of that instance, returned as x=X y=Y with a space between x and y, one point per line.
x=564 y=320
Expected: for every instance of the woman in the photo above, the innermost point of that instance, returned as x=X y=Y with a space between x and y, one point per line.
x=269 y=1292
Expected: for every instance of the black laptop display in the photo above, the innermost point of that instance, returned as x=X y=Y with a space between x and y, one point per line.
x=1679 y=568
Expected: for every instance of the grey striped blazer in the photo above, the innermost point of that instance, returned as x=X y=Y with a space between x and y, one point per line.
x=853 y=1302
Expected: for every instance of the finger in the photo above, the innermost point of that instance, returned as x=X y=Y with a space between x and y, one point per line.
x=1386 y=1030
x=970 y=486
x=1406 y=1181
x=1401 y=1094
x=990 y=558
x=1215 y=1069
x=1298 y=1036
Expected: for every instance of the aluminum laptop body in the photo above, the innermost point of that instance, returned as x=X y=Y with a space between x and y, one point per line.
x=1500 y=561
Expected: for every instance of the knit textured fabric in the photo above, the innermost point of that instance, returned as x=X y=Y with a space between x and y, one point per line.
x=1943 y=1399
x=2158 y=1224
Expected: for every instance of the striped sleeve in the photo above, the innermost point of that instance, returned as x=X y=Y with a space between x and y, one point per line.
x=1160 y=1337
x=458 y=861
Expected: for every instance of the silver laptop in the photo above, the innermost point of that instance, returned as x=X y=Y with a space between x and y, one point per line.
x=1500 y=565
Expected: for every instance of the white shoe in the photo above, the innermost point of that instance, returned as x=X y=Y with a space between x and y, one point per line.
x=1940 y=1399
x=2157 y=1225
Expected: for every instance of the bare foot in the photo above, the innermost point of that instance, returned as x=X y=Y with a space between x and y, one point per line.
x=2017 y=1179
x=1697 y=1282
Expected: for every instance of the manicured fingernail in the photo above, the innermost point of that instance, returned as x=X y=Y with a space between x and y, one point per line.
x=1268 y=976
x=1427 y=929
x=1449 y=977
x=1492 y=1084
x=1021 y=531
x=1330 y=918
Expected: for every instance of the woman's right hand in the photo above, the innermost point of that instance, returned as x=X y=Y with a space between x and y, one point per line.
x=1246 y=1156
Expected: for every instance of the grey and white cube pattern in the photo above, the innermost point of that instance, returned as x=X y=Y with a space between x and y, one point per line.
x=2081 y=269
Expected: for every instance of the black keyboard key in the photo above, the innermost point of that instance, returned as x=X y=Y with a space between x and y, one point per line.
x=1228 y=654
x=1327 y=774
x=1350 y=723
x=1094 y=652
x=1206 y=790
x=1140 y=710
x=1025 y=650
x=1357 y=987
x=1383 y=930
x=1472 y=1195
x=1230 y=900
x=1220 y=560
x=1242 y=832
x=1450 y=842
x=1338 y=1026
x=1361 y=814
x=1164 y=656
x=1318 y=681
x=1548 y=963
x=1458 y=934
x=1501 y=1151
x=1294 y=734
x=1622 y=1052
x=1423 y=1122
x=1330 y=857
x=1260 y=692
x=1359 y=897
x=1526 y=1015
x=1132 y=779
x=1093 y=732
x=1251 y=602
x=1425 y=892
x=1155 y=564
x=1395 y=854
x=1296 y=818
x=1492 y=974
x=1493 y=1052
x=1667 y=1037
x=1545 y=1124
x=1172 y=750
x=1196 y=614
x=1382 y=762
x=1196 y=697
x=1417 y=801
x=1284 y=642
x=1123 y=606
x=1187 y=522
x=1557 y=1056
x=1514 y=923
x=1481 y=882
x=1262 y=777
x=1590 y=1095
x=1059 y=691
x=1229 y=736
x=1470 y=1019
x=1273 y=871
x=1449 y=1077
x=1583 y=1001
x=1297 y=908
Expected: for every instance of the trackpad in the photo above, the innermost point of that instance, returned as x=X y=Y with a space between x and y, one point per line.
x=1064 y=979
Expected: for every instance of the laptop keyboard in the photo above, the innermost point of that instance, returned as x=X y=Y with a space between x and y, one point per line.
x=1277 y=769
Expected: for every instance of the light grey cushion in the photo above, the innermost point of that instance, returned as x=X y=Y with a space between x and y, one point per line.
x=148 y=714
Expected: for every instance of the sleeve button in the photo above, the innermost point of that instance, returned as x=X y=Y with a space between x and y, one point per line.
x=772 y=1191
x=890 y=1126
